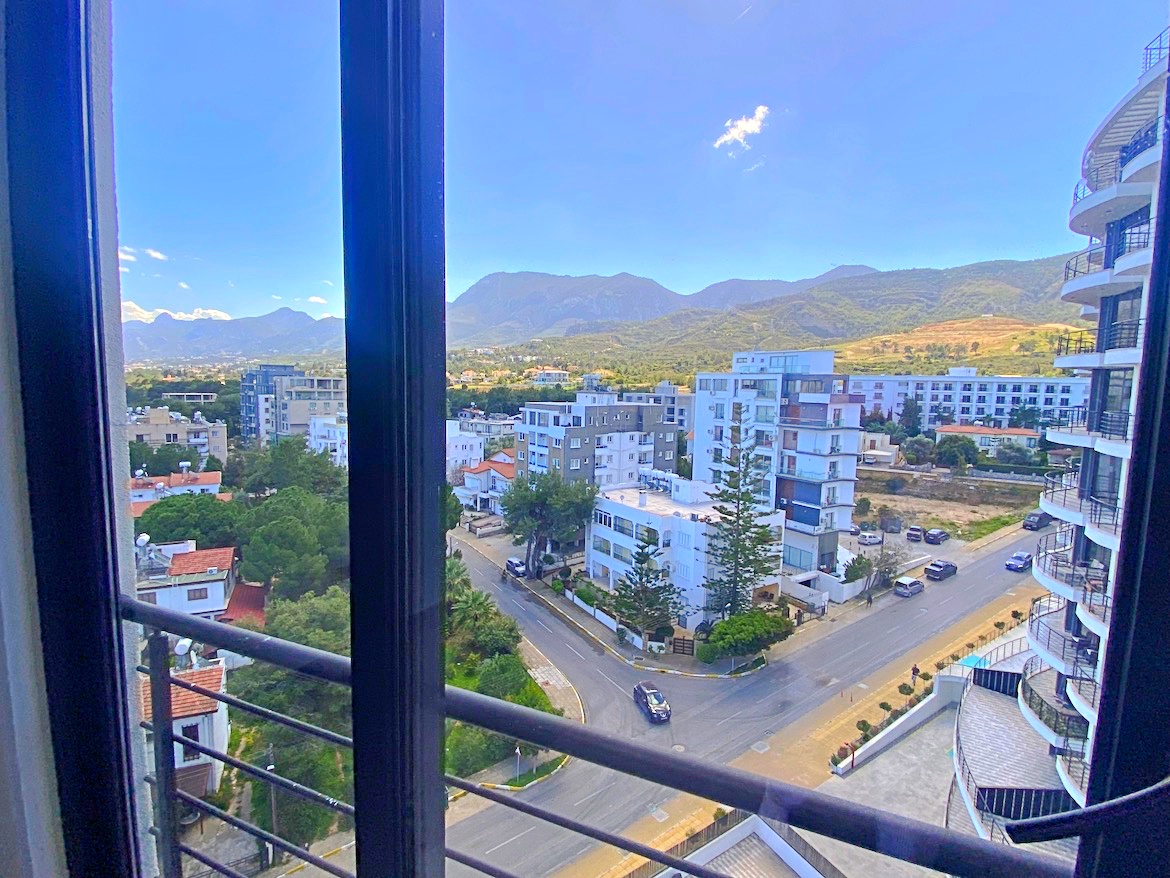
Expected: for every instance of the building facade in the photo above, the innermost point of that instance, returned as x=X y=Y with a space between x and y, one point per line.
x=963 y=397
x=301 y=397
x=464 y=450
x=495 y=425
x=678 y=403
x=329 y=434
x=198 y=582
x=989 y=439
x=198 y=718
x=257 y=394
x=1055 y=680
x=798 y=416
x=160 y=426
x=550 y=377
x=484 y=484
x=597 y=439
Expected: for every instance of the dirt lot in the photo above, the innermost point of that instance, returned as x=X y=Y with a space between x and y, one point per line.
x=916 y=510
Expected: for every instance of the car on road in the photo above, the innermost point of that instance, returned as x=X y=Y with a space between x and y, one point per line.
x=914 y=533
x=652 y=702
x=516 y=567
x=936 y=536
x=908 y=586
x=1019 y=562
x=939 y=569
x=1037 y=519
x=868 y=540
x=855 y=530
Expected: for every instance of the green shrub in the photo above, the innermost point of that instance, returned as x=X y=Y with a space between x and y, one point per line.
x=939 y=665
x=749 y=632
x=586 y=594
x=564 y=573
x=535 y=697
x=925 y=676
x=863 y=726
x=895 y=485
x=663 y=633
x=470 y=749
x=835 y=759
x=906 y=689
x=497 y=636
x=886 y=706
x=557 y=586
x=863 y=505
x=718 y=814
x=502 y=675
x=707 y=653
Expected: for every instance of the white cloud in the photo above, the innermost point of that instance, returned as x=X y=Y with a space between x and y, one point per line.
x=132 y=311
x=317 y=300
x=754 y=167
x=738 y=130
x=326 y=314
x=126 y=254
x=184 y=286
x=278 y=298
x=123 y=269
x=154 y=254
x=327 y=283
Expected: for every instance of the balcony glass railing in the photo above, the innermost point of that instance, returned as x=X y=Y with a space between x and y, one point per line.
x=1144 y=138
x=1065 y=722
x=898 y=836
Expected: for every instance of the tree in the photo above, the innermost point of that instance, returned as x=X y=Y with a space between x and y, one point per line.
x=1013 y=454
x=499 y=634
x=456 y=578
x=885 y=565
x=953 y=450
x=286 y=555
x=741 y=547
x=200 y=517
x=328 y=520
x=502 y=675
x=545 y=508
x=860 y=566
x=1026 y=416
x=452 y=508
x=472 y=609
x=911 y=417
x=160 y=461
x=213 y=464
x=918 y=450
x=749 y=632
x=645 y=597
x=288 y=462
x=863 y=506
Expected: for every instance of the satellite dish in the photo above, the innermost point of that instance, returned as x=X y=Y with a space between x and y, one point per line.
x=183 y=646
x=142 y=541
x=139 y=473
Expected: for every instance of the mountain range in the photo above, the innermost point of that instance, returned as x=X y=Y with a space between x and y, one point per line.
x=593 y=320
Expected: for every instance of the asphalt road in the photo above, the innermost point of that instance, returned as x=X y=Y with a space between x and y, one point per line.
x=712 y=719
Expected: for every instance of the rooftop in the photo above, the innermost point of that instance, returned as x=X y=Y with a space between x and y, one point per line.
x=137 y=507
x=202 y=560
x=183 y=702
x=657 y=502
x=986 y=431
x=246 y=603
x=507 y=470
x=177 y=480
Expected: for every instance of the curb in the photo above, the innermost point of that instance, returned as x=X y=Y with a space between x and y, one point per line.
x=508 y=788
x=576 y=694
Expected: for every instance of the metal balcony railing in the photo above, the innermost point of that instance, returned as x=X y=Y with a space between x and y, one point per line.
x=1063 y=489
x=1066 y=723
x=1069 y=419
x=1156 y=50
x=1099 y=604
x=894 y=835
x=1122 y=334
x=1134 y=238
x=1046 y=630
x=1054 y=558
x=991 y=824
x=1085 y=262
x=1077 y=770
x=1082 y=680
x=1144 y=138
x=1101 y=176
x=1076 y=341
x=1105 y=513
x=1108 y=424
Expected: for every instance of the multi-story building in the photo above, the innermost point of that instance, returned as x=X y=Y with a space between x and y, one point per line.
x=673 y=514
x=1045 y=699
x=329 y=434
x=483 y=485
x=198 y=581
x=199 y=718
x=464 y=450
x=678 y=403
x=963 y=397
x=301 y=397
x=797 y=414
x=257 y=395
x=495 y=425
x=597 y=439
x=193 y=396
x=160 y=426
x=549 y=377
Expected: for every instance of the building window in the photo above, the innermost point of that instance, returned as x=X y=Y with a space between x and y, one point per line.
x=172 y=438
x=197 y=594
x=190 y=754
x=575 y=443
x=519 y=455
x=669 y=455
x=1066 y=388
x=148 y=597
x=556 y=462
x=1064 y=401
x=575 y=463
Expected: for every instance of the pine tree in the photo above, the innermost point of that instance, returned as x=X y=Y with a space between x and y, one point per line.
x=741 y=548
x=645 y=597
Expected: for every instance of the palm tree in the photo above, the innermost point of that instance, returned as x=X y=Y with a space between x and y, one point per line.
x=472 y=609
x=456 y=578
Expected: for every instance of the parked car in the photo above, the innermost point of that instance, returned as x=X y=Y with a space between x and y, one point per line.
x=652 y=702
x=941 y=569
x=907 y=586
x=915 y=534
x=516 y=567
x=1037 y=519
x=868 y=540
x=936 y=536
x=855 y=529
x=1019 y=562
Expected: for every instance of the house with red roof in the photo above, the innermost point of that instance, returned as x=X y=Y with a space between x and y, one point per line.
x=200 y=582
x=199 y=718
x=988 y=439
x=484 y=484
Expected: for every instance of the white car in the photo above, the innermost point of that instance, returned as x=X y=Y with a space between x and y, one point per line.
x=867 y=539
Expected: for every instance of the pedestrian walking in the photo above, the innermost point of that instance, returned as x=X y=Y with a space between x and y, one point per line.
x=914 y=675
x=869 y=598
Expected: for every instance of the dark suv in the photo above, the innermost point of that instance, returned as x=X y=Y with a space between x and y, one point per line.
x=655 y=705
x=937 y=570
x=936 y=536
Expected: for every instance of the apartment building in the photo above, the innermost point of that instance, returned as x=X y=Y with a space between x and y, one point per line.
x=598 y=439
x=798 y=415
x=329 y=434
x=301 y=397
x=464 y=450
x=962 y=396
x=669 y=512
x=257 y=395
x=549 y=377
x=495 y=425
x=196 y=717
x=678 y=403
x=199 y=582
x=1045 y=699
x=160 y=426
x=192 y=396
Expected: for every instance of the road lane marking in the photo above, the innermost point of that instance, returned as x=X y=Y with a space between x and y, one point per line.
x=619 y=688
x=591 y=795
x=733 y=716
x=574 y=652
x=545 y=627
x=509 y=841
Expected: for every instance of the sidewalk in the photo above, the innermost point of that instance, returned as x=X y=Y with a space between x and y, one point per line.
x=799 y=753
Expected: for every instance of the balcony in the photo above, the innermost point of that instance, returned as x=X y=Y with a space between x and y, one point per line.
x=1074 y=771
x=1133 y=255
x=1076 y=342
x=1059 y=723
x=1121 y=335
x=1088 y=261
x=1056 y=570
x=1061 y=496
x=1049 y=637
x=814 y=423
x=1081 y=425
x=1145 y=138
x=1087 y=276
x=1102 y=196
x=1105 y=514
x=897 y=836
x=1156 y=50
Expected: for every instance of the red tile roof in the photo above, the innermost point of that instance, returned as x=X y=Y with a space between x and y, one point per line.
x=201 y=560
x=183 y=702
x=507 y=470
x=246 y=602
x=985 y=431
x=178 y=480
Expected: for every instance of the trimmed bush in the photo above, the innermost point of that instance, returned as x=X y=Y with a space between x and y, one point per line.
x=586 y=594
x=906 y=689
x=707 y=653
x=863 y=726
x=925 y=676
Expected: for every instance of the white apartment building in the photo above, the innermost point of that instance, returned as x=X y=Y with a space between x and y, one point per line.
x=962 y=396
x=678 y=403
x=329 y=434
x=297 y=398
x=490 y=426
x=799 y=417
x=198 y=582
x=464 y=450
x=1051 y=712
x=549 y=377
x=198 y=718
x=160 y=426
x=670 y=512
x=146 y=488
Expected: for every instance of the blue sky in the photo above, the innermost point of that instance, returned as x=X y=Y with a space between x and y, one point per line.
x=581 y=139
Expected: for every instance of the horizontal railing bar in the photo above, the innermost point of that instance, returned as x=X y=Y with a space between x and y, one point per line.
x=270 y=715
x=478 y=865
x=577 y=826
x=210 y=863
x=263 y=834
x=904 y=838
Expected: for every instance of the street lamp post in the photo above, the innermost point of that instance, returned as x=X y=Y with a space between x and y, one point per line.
x=271 y=766
x=517 y=764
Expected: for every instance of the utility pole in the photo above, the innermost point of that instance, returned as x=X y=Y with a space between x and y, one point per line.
x=272 y=801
